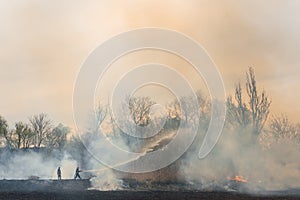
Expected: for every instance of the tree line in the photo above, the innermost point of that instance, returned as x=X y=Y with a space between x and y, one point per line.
x=248 y=111
x=248 y=114
x=39 y=132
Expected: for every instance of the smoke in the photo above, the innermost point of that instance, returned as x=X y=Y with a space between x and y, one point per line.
x=103 y=177
x=266 y=164
x=104 y=166
x=237 y=34
x=276 y=167
x=42 y=163
x=106 y=181
x=28 y=163
x=67 y=165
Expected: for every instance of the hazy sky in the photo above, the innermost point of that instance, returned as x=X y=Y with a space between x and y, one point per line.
x=44 y=43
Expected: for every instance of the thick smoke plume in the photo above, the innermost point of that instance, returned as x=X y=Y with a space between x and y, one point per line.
x=31 y=164
x=275 y=166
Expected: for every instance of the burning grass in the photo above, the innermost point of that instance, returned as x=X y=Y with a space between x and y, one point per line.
x=238 y=179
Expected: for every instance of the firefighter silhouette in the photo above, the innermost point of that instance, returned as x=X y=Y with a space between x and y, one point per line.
x=77 y=175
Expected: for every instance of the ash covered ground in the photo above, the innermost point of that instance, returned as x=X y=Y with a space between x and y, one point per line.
x=134 y=195
x=81 y=189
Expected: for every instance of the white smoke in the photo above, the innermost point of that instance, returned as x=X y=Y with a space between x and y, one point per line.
x=274 y=168
x=106 y=181
x=26 y=164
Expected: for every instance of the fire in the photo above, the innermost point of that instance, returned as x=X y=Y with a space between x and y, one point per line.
x=239 y=179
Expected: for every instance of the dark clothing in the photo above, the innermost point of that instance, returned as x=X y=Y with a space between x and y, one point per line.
x=77 y=173
x=59 y=174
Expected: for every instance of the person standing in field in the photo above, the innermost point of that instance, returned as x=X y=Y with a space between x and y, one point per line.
x=59 y=173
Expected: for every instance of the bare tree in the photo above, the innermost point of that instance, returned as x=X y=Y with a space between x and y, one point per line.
x=140 y=110
x=23 y=135
x=189 y=114
x=259 y=103
x=114 y=127
x=237 y=111
x=4 y=132
x=282 y=128
x=204 y=109
x=173 y=115
x=252 y=112
x=41 y=126
x=27 y=137
x=57 y=138
x=18 y=132
x=100 y=114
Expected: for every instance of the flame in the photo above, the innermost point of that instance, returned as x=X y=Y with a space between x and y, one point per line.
x=239 y=179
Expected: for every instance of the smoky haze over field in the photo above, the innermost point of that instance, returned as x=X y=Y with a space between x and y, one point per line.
x=44 y=43
x=261 y=149
x=23 y=165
